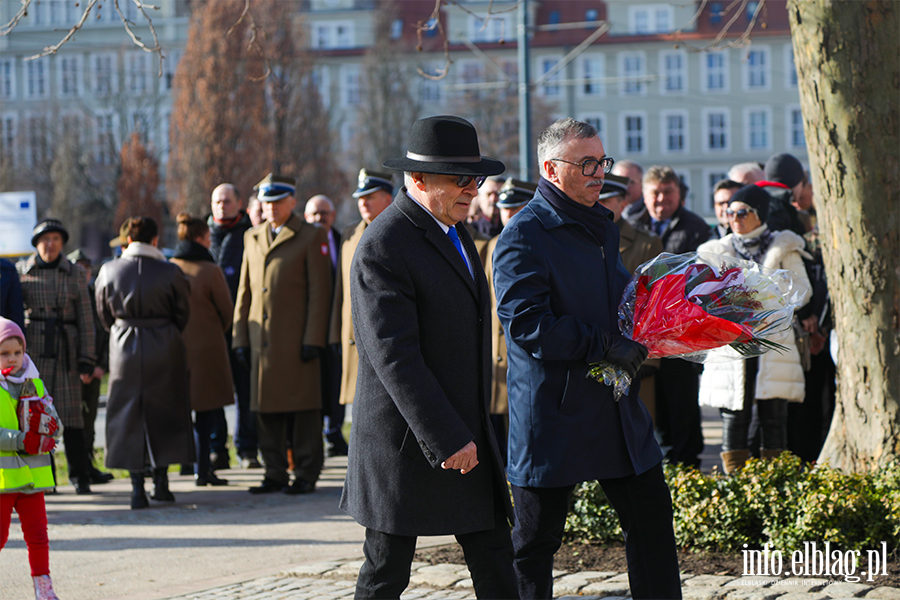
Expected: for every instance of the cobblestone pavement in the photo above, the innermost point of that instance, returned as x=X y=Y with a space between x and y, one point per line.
x=337 y=579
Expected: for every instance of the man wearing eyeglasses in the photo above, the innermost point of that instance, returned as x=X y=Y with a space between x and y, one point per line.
x=423 y=459
x=558 y=277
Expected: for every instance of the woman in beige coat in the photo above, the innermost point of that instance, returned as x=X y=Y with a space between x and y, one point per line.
x=204 y=336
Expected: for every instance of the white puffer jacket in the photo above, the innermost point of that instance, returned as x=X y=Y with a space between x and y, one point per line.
x=780 y=375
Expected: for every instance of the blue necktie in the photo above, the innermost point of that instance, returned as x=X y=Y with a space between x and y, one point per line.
x=454 y=237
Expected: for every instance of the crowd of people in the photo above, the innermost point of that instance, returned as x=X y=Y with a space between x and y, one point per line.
x=459 y=316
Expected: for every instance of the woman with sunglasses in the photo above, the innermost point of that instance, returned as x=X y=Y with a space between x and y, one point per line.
x=773 y=379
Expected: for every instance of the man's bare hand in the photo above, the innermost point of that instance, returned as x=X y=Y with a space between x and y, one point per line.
x=465 y=460
x=810 y=324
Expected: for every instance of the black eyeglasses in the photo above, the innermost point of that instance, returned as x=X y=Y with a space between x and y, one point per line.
x=742 y=213
x=590 y=166
x=464 y=180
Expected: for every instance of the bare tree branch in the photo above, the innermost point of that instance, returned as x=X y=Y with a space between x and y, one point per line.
x=134 y=38
x=16 y=18
x=52 y=49
x=254 y=42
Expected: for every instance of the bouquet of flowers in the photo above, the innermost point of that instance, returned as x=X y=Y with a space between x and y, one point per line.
x=703 y=307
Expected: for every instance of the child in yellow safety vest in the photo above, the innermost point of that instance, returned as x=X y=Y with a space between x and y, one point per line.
x=26 y=438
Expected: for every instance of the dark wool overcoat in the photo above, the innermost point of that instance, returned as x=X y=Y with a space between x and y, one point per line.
x=558 y=289
x=144 y=302
x=422 y=329
x=57 y=351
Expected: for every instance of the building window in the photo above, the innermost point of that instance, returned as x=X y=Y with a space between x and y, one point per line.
x=716 y=128
x=715 y=71
x=7 y=79
x=795 y=120
x=758 y=127
x=553 y=19
x=351 y=85
x=8 y=132
x=333 y=34
x=673 y=66
x=38 y=140
x=752 y=7
x=632 y=68
x=715 y=13
x=36 y=72
x=105 y=150
x=551 y=87
x=322 y=82
x=170 y=65
x=650 y=18
x=634 y=133
x=140 y=124
x=711 y=177
x=496 y=28
x=675 y=127
x=396 y=29
x=598 y=120
x=430 y=89
x=69 y=76
x=790 y=69
x=591 y=14
x=593 y=69
x=756 y=69
x=106 y=74
x=137 y=73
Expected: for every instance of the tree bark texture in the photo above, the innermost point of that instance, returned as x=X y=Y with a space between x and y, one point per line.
x=847 y=55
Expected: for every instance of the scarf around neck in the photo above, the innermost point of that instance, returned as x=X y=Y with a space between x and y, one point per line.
x=190 y=250
x=753 y=245
x=594 y=218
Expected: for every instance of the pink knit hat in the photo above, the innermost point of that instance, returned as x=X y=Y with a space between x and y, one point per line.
x=9 y=329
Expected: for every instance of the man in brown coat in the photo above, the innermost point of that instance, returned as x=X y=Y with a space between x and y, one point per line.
x=280 y=328
x=373 y=194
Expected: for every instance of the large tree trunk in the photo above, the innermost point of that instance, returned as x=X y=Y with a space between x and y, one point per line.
x=848 y=62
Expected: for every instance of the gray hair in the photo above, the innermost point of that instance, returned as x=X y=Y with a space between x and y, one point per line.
x=746 y=173
x=552 y=138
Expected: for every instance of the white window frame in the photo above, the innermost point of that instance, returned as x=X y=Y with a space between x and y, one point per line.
x=551 y=88
x=351 y=85
x=321 y=75
x=682 y=73
x=138 y=81
x=78 y=117
x=170 y=66
x=591 y=66
x=749 y=111
x=64 y=62
x=12 y=118
x=29 y=154
x=38 y=66
x=748 y=70
x=652 y=15
x=499 y=27
x=708 y=172
x=113 y=131
x=705 y=114
x=339 y=34
x=790 y=127
x=623 y=132
x=8 y=84
x=590 y=117
x=642 y=86
x=704 y=72
x=790 y=68
x=664 y=130
x=113 y=59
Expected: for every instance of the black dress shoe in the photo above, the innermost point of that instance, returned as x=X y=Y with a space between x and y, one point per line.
x=268 y=486
x=82 y=486
x=219 y=462
x=210 y=479
x=99 y=477
x=300 y=486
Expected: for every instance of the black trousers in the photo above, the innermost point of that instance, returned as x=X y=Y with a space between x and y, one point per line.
x=304 y=430
x=644 y=506
x=678 y=410
x=385 y=573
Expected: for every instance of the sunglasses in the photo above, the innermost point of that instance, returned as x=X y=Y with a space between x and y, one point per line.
x=742 y=213
x=464 y=180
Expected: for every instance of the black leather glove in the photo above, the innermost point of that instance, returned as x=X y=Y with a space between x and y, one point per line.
x=243 y=357
x=624 y=353
x=308 y=353
x=335 y=350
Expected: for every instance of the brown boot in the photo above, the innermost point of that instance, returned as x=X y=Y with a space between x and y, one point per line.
x=770 y=454
x=734 y=460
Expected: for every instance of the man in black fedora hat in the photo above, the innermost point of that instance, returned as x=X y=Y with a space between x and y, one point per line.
x=423 y=459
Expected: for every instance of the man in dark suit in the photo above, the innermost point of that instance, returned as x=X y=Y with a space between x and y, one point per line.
x=558 y=277
x=423 y=459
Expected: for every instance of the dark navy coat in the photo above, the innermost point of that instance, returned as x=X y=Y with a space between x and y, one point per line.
x=558 y=291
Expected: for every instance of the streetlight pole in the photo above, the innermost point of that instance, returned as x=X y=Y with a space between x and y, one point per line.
x=526 y=156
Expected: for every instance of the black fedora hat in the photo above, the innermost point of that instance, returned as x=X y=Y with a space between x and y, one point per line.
x=47 y=226
x=445 y=145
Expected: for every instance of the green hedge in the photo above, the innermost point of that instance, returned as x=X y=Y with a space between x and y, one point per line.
x=782 y=502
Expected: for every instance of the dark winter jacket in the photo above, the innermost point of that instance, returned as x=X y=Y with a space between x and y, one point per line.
x=685 y=232
x=227 y=249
